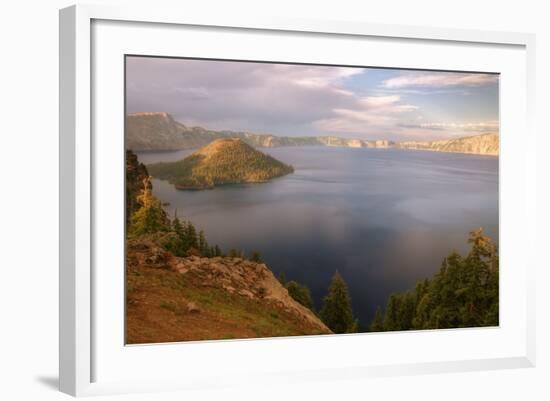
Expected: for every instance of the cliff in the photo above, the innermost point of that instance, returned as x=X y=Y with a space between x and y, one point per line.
x=195 y=298
x=223 y=161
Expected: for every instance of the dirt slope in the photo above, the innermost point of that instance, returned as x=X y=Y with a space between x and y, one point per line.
x=177 y=299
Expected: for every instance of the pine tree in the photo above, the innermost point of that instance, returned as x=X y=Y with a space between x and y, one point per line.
x=211 y=252
x=234 y=253
x=463 y=293
x=378 y=322
x=192 y=236
x=217 y=251
x=202 y=243
x=256 y=257
x=150 y=217
x=391 y=317
x=282 y=278
x=300 y=293
x=337 y=312
x=177 y=227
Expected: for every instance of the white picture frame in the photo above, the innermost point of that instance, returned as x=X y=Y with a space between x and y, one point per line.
x=86 y=346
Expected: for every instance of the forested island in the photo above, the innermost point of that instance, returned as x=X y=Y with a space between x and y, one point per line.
x=221 y=162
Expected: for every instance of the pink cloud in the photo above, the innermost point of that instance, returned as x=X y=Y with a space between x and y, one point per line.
x=439 y=80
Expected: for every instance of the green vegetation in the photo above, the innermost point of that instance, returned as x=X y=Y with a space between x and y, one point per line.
x=146 y=216
x=256 y=257
x=150 y=217
x=224 y=161
x=136 y=173
x=282 y=278
x=300 y=293
x=165 y=306
x=464 y=293
x=337 y=312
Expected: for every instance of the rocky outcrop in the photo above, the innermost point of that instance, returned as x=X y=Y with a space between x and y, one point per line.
x=201 y=290
x=247 y=279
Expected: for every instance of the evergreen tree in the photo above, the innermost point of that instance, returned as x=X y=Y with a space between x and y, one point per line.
x=150 y=217
x=391 y=318
x=202 y=243
x=463 y=293
x=212 y=252
x=256 y=257
x=192 y=236
x=177 y=227
x=235 y=253
x=217 y=251
x=282 y=278
x=300 y=293
x=337 y=312
x=378 y=322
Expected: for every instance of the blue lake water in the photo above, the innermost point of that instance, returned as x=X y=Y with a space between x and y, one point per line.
x=384 y=218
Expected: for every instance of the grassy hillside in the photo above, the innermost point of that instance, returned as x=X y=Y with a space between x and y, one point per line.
x=224 y=161
x=193 y=298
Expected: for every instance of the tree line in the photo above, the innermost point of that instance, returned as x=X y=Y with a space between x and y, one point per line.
x=148 y=216
x=463 y=293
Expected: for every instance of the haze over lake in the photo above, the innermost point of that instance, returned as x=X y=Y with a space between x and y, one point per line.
x=384 y=218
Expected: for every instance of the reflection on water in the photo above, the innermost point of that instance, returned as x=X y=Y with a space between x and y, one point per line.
x=382 y=218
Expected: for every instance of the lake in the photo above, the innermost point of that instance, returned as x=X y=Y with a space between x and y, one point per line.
x=384 y=218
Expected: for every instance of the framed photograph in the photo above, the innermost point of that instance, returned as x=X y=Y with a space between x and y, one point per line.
x=280 y=200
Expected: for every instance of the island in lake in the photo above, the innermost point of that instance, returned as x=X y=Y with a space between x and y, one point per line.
x=221 y=162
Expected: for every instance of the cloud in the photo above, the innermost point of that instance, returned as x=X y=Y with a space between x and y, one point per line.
x=296 y=100
x=439 y=80
x=370 y=116
x=475 y=126
x=445 y=130
x=277 y=98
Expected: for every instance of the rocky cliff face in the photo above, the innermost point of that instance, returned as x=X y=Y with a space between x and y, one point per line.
x=485 y=144
x=194 y=298
x=159 y=131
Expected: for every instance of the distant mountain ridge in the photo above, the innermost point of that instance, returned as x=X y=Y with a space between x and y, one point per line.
x=149 y=131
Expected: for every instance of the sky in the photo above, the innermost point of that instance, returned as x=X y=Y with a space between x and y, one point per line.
x=312 y=100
